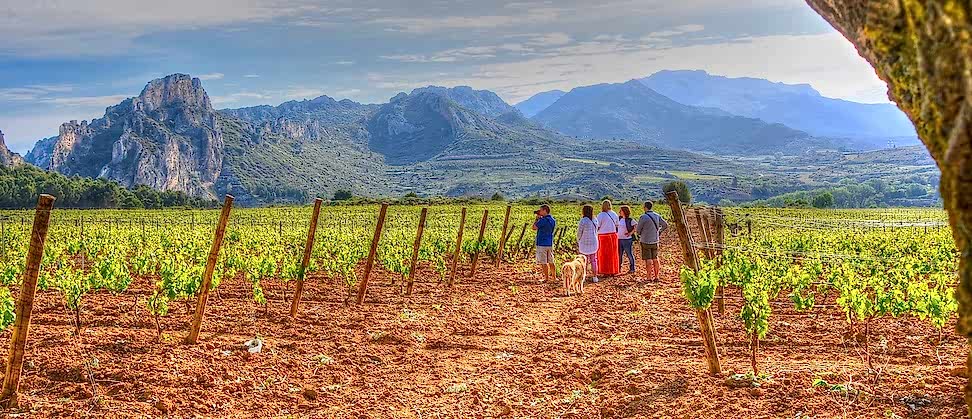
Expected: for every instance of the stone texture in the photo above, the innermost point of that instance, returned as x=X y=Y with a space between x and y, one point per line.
x=923 y=50
x=7 y=157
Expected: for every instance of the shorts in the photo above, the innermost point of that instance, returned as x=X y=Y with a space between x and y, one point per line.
x=649 y=251
x=545 y=255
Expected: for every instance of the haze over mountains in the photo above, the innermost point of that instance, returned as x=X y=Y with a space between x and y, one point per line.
x=799 y=107
x=633 y=111
x=458 y=141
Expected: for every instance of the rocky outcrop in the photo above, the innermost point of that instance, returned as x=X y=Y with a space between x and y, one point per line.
x=40 y=155
x=167 y=138
x=7 y=157
x=483 y=102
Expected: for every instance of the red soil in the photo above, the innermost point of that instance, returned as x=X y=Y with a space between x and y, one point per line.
x=498 y=345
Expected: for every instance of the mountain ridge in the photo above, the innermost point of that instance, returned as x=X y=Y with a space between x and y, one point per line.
x=432 y=141
x=636 y=112
x=798 y=106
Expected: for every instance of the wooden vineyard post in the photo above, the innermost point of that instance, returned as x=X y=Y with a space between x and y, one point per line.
x=703 y=223
x=479 y=242
x=749 y=227
x=519 y=242
x=502 y=243
x=25 y=302
x=509 y=235
x=560 y=236
x=706 y=326
x=720 y=240
x=308 y=247
x=458 y=251
x=208 y=273
x=415 y=251
x=363 y=287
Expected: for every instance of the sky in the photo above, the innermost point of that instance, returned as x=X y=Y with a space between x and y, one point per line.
x=64 y=60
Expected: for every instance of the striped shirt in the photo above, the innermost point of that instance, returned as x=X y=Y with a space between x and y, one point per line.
x=586 y=236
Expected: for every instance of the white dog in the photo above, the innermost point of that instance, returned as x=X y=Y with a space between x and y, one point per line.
x=575 y=274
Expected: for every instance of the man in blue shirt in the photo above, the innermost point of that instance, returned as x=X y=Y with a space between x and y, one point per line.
x=545 y=226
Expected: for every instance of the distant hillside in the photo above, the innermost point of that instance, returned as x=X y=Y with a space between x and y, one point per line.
x=300 y=149
x=538 y=102
x=429 y=124
x=797 y=106
x=635 y=112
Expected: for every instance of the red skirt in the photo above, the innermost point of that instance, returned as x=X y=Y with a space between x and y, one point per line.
x=607 y=254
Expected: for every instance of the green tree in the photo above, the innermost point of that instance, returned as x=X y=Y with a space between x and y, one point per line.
x=343 y=195
x=681 y=188
x=823 y=200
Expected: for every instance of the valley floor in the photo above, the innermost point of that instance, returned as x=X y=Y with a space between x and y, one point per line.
x=501 y=344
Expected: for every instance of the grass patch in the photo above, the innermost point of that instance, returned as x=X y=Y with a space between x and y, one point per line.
x=685 y=175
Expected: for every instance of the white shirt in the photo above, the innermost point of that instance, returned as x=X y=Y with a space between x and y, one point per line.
x=607 y=222
x=623 y=229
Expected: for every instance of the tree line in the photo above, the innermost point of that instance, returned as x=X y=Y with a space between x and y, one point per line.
x=21 y=185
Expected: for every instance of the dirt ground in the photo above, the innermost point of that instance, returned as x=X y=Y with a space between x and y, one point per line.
x=501 y=344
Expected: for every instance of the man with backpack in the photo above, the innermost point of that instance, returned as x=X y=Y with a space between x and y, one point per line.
x=650 y=227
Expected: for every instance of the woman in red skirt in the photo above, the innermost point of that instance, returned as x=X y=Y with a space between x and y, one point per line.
x=607 y=239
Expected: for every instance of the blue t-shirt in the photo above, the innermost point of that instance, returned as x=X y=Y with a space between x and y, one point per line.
x=545 y=230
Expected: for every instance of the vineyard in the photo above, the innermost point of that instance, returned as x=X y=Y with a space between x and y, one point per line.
x=813 y=313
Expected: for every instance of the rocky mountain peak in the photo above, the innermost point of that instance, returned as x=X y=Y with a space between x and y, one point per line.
x=176 y=90
x=168 y=138
x=483 y=102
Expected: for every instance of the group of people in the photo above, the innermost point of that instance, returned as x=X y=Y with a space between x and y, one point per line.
x=605 y=239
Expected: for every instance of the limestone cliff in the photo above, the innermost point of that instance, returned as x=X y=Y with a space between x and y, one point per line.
x=7 y=157
x=167 y=138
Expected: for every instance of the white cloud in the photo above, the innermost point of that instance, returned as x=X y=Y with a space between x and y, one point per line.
x=344 y=62
x=33 y=92
x=88 y=101
x=532 y=16
x=303 y=93
x=211 y=76
x=251 y=76
x=548 y=39
x=57 y=27
x=347 y=93
x=231 y=99
x=678 y=30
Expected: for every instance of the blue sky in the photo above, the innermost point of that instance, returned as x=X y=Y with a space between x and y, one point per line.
x=69 y=59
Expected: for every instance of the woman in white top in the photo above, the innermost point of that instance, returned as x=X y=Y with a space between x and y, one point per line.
x=587 y=237
x=607 y=238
